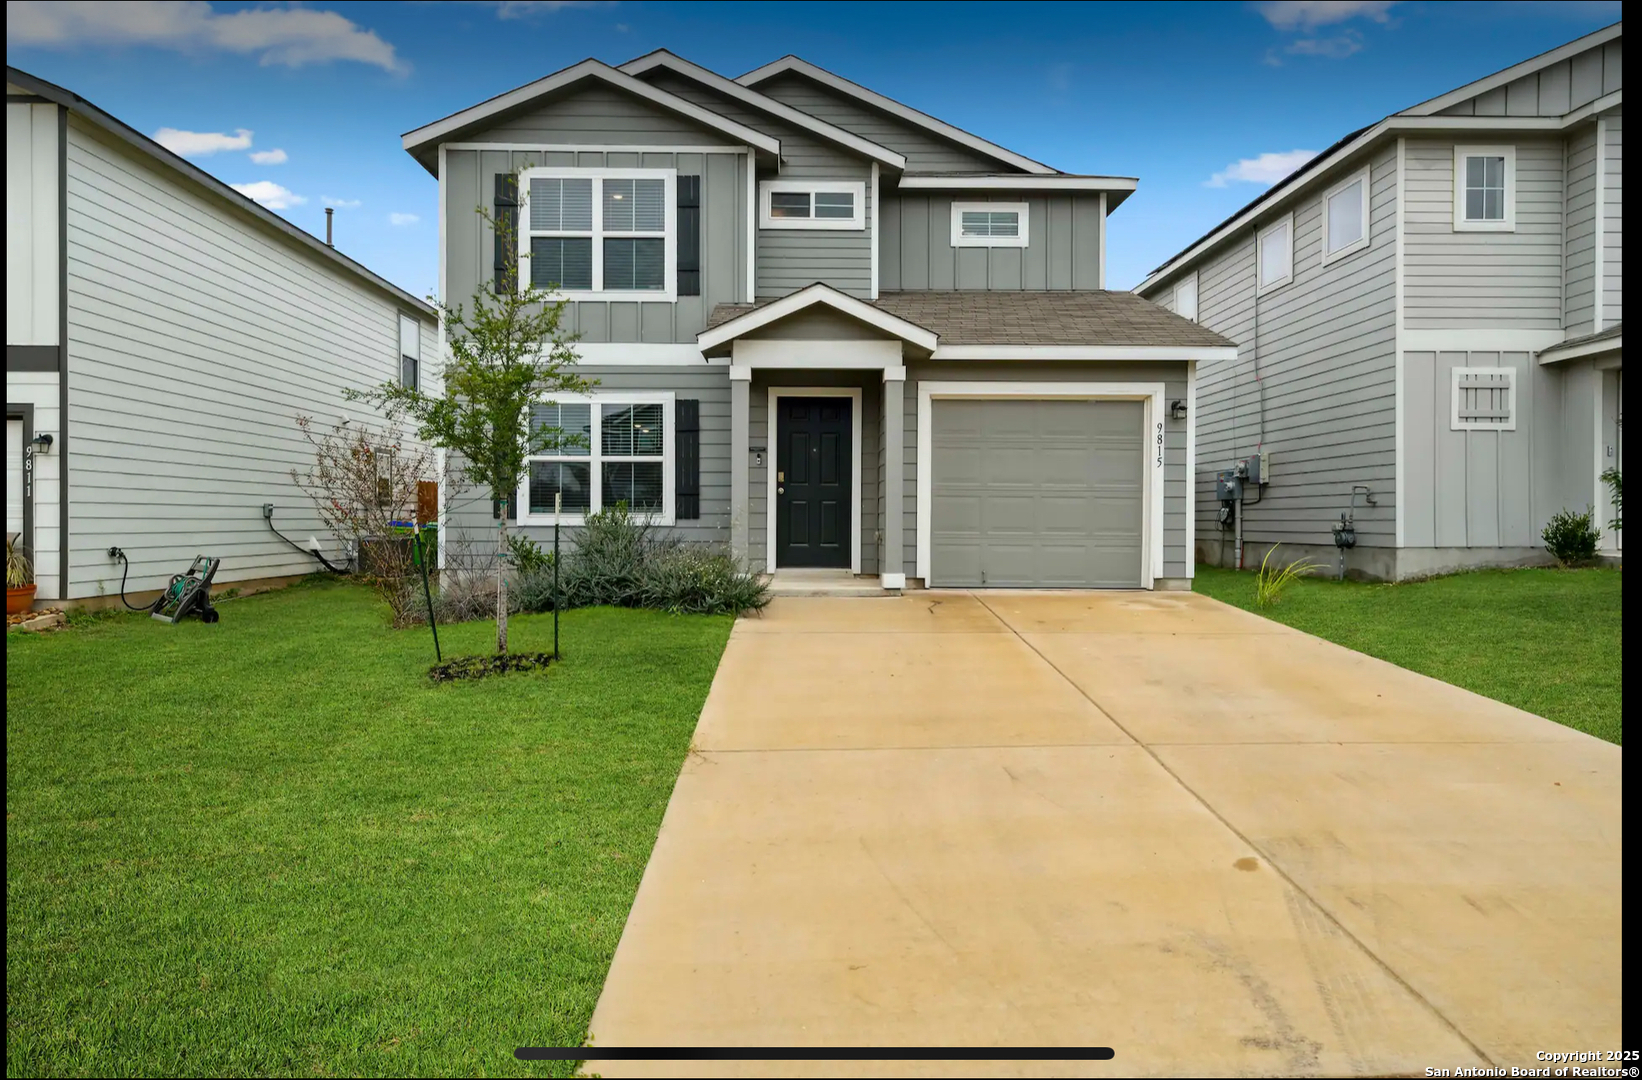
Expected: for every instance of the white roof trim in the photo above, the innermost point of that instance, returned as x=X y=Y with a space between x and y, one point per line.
x=431 y=133
x=765 y=103
x=893 y=107
x=1516 y=71
x=1556 y=354
x=807 y=297
x=1085 y=352
x=1036 y=182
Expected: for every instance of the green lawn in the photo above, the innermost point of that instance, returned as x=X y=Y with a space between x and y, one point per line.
x=1547 y=641
x=271 y=846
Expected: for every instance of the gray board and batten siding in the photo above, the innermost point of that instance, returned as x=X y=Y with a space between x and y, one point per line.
x=1314 y=382
x=593 y=115
x=1062 y=251
x=789 y=259
x=1554 y=90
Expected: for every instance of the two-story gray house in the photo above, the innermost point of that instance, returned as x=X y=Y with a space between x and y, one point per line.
x=828 y=329
x=1429 y=325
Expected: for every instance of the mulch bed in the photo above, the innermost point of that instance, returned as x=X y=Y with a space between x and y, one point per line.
x=478 y=667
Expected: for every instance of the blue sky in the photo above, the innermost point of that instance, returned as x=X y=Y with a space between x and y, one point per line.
x=1207 y=103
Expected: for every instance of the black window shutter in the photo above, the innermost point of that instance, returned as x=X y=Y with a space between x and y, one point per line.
x=687 y=458
x=507 y=234
x=689 y=236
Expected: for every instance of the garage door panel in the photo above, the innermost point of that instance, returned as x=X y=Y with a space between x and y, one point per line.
x=1044 y=493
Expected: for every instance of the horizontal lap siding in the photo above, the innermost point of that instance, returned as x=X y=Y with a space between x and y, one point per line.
x=1063 y=245
x=1612 y=238
x=708 y=384
x=1504 y=280
x=1314 y=385
x=924 y=151
x=1579 y=241
x=1171 y=375
x=197 y=335
x=470 y=246
x=1477 y=488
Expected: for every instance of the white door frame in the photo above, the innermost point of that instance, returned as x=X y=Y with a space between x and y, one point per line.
x=770 y=439
x=1150 y=394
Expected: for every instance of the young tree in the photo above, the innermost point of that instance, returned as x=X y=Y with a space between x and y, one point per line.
x=505 y=354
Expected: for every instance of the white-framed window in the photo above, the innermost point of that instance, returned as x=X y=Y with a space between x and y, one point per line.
x=600 y=234
x=1185 y=297
x=1485 y=399
x=618 y=447
x=1345 y=217
x=990 y=224
x=812 y=204
x=1485 y=188
x=1274 y=253
x=410 y=352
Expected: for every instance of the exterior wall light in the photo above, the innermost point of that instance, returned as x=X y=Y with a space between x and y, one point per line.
x=1177 y=409
x=42 y=443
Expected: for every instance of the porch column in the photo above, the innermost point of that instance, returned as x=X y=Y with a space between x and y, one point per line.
x=740 y=385
x=893 y=572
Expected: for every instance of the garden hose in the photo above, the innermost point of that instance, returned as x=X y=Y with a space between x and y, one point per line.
x=116 y=553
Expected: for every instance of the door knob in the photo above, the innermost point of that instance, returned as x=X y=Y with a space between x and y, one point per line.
x=780 y=491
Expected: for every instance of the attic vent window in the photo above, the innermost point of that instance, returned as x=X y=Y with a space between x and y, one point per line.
x=812 y=204
x=989 y=224
x=1485 y=399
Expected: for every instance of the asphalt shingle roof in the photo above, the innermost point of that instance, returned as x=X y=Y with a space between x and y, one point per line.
x=1031 y=318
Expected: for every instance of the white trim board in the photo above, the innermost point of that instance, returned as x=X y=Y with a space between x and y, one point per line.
x=1599 y=267
x=1480 y=340
x=873 y=292
x=1399 y=338
x=763 y=102
x=642 y=354
x=594 y=148
x=891 y=106
x=874 y=354
x=1599 y=347
x=594 y=69
x=1035 y=182
x=1191 y=469
x=854 y=394
x=1085 y=352
x=1151 y=560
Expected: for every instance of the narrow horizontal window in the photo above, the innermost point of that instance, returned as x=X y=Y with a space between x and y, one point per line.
x=989 y=224
x=812 y=204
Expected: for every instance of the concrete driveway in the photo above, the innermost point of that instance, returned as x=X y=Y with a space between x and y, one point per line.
x=1145 y=821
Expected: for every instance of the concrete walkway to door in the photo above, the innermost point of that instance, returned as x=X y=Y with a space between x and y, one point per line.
x=1146 y=821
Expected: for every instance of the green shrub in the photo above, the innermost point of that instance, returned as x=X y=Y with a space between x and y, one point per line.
x=1572 y=538
x=1614 y=481
x=528 y=556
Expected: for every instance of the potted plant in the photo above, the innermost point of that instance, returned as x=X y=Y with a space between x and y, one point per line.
x=19 y=577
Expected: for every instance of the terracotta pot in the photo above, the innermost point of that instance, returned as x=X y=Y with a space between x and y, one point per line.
x=19 y=599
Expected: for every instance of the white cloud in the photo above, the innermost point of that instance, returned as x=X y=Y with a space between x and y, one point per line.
x=270 y=194
x=201 y=143
x=1268 y=168
x=402 y=219
x=340 y=204
x=289 y=36
x=519 y=9
x=1308 y=15
x=275 y=156
x=1341 y=45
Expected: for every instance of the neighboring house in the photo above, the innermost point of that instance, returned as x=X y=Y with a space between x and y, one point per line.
x=828 y=329
x=163 y=332
x=1429 y=310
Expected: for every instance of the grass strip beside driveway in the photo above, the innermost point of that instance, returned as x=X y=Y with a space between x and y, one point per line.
x=271 y=846
x=1547 y=641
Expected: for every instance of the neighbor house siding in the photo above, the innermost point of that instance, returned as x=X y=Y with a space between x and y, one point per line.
x=789 y=259
x=1063 y=245
x=1314 y=379
x=1504 y=280
x=1553 y=90
x=1612 y=204
x=470 y=181
x=197 y=335
x=924 y=151
x=31 y=224
x=1478 y=488
x=1579 y=242
x=1176 y=558
x=471 y=515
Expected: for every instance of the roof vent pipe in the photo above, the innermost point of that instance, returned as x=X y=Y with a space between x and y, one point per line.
x=330 y=214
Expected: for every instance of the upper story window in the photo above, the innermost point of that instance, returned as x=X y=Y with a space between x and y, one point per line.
x=812 y=204
x=1485 y=188
x=410 y=352
x=1185 y=298
x=1345 y=218
x=1275 y=246
x=989 y=224
x=600 y=234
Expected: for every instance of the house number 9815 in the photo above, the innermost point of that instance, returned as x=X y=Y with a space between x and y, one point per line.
x=1160 y=445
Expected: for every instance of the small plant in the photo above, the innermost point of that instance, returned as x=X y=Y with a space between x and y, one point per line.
x=19 y=567
x=1612 y=479
x=529 y=557
x=477 y=667
x=1572 y=538
x=1273 y=581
